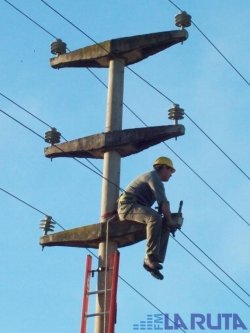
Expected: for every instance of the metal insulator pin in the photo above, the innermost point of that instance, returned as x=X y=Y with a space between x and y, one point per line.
x=58 y=47
x=52 y=136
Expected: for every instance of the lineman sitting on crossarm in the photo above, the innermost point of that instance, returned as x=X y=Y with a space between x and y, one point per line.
x=135 y=205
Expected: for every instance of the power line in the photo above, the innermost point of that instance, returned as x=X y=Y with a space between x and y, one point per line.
x=28 y=127
x=20 y=123
x=29 y=205
x=91 y=252
x=37 y=118
x=123 y=190
x=148 y=301
x=218 y=147
x=78 y=160
x=223 y=56
x=150 y=85
x=30 y=113
x=146 y=125
x=99 y=171
x=209 y=186
x=136 y=290
x=215 y=47
x=140 y=294
x=221 y=269
x=25 y=110
x=29 y=18
x=209 y=270
x=165 y=144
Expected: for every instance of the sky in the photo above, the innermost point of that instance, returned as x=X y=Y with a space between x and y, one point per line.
x=42 y=290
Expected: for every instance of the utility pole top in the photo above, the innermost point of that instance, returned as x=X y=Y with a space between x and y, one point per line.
x=131 y=49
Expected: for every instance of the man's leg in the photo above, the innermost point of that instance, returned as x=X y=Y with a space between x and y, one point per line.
x=153 y=221
x=163 y=243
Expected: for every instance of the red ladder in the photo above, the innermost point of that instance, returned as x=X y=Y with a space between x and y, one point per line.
x=113 y=292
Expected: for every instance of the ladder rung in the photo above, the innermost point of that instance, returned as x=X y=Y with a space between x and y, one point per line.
x=96 y=314
x=98 y=292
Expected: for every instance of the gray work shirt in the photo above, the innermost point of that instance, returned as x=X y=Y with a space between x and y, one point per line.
x=147 y=188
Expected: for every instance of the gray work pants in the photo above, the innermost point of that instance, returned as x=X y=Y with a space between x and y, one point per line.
x=156 y=231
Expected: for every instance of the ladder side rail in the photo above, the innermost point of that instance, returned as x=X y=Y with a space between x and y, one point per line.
x=114 y=284
x=86 y=294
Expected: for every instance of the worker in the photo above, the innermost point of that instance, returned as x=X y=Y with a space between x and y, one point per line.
x=135 y=205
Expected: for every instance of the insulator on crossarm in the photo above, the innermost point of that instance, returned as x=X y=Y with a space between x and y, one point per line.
x=183 y=20
x=47 y=224
x=58 y=47
x=53 y=136
x=176 y=113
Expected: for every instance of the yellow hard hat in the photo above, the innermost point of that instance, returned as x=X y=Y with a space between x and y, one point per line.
x=164 y=161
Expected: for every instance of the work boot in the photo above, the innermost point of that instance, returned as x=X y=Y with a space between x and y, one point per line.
x=156 y=274
x=151 y=265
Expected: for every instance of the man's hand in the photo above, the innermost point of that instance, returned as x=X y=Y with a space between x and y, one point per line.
x=165 y=209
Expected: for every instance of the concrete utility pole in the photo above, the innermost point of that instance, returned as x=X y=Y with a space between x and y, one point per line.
x=111 y=171
x=111 y=145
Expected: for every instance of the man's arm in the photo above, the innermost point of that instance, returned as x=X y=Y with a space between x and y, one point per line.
x=165 y=208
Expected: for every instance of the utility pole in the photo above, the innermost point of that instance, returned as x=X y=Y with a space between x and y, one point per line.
x=111 y=145
x=111 y=172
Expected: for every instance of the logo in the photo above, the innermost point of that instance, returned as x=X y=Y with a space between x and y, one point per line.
x=196 y=321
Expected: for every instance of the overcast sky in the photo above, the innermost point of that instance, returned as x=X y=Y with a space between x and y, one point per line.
x=42 y=291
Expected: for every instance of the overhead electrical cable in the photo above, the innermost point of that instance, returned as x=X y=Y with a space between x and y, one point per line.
x=215 y=47
x=218 y=266
x=22 y=124
x=29 y=18
x=164 y=143
x=123 y=190
x=25 y=110
x=99 y=172
x=219 y=148
x=45 y=123
x=98 y=78
x=91 y=252
x=40 y=211
x=150 y=85
x=209 y=186
x=49 y=125
x=29 y=205
x=209 y=270
x=39 y=119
